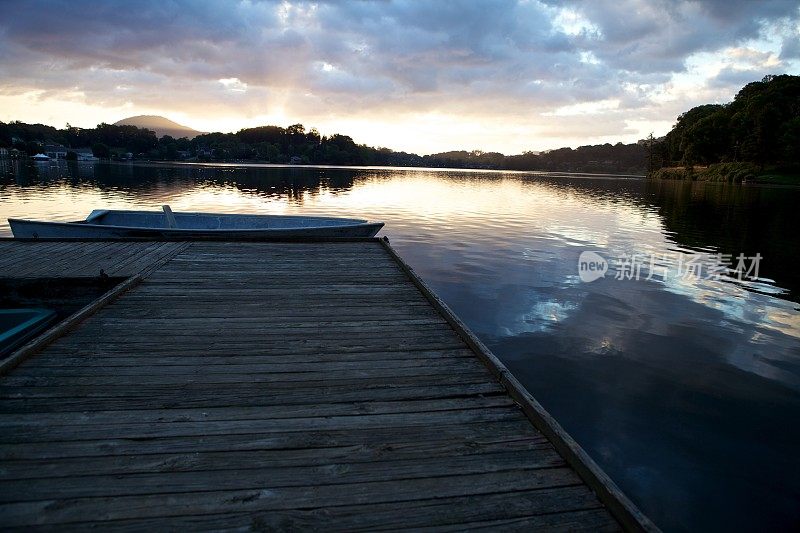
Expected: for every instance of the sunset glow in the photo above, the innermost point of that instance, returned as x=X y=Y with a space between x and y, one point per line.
x=504 y=75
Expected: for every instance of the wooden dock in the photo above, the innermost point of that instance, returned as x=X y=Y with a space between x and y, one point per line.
x=259 y=385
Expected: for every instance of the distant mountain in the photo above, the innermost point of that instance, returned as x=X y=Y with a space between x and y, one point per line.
x=161 y=125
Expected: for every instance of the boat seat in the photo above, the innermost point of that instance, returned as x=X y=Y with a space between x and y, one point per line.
x=170 y=216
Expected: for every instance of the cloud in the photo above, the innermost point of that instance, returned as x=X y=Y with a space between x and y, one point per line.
x=234 y=84
x=790 y=48
x=658 y=36
x=493 y=63
x=737 y=78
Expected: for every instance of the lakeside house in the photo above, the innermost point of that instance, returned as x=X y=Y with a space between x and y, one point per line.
x=55 y=151
x=51 y=152
x=85 y=154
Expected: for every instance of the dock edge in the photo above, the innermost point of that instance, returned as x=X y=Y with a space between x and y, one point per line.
x=63 y=327
x=620 y=506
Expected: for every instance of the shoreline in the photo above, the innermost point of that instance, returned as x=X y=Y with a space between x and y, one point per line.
x=738 y=173
x=264 y=164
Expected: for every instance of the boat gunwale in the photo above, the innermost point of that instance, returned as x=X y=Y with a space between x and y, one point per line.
x=99 y=213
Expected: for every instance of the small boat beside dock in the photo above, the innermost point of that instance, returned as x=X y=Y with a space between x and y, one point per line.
x=122 y=224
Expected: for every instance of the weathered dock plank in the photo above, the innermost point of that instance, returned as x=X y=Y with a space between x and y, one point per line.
x=269 y=386
x=434 y=514
x=81 y=259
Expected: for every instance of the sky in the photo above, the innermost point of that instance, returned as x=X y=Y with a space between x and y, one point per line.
x=425 y=77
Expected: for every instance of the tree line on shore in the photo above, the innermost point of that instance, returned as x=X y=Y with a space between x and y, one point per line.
x=759 y=129
x=295 y=144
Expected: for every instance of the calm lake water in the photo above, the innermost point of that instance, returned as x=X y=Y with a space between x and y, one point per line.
x=684 y=388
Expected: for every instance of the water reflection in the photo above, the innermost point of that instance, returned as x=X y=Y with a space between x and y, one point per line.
x=734 y=219
x=685 y=390
x=149 y=182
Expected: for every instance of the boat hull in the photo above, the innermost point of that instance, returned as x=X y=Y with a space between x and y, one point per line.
x=31 y=229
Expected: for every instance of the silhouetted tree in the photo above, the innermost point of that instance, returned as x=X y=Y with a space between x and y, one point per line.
x=101 y=150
